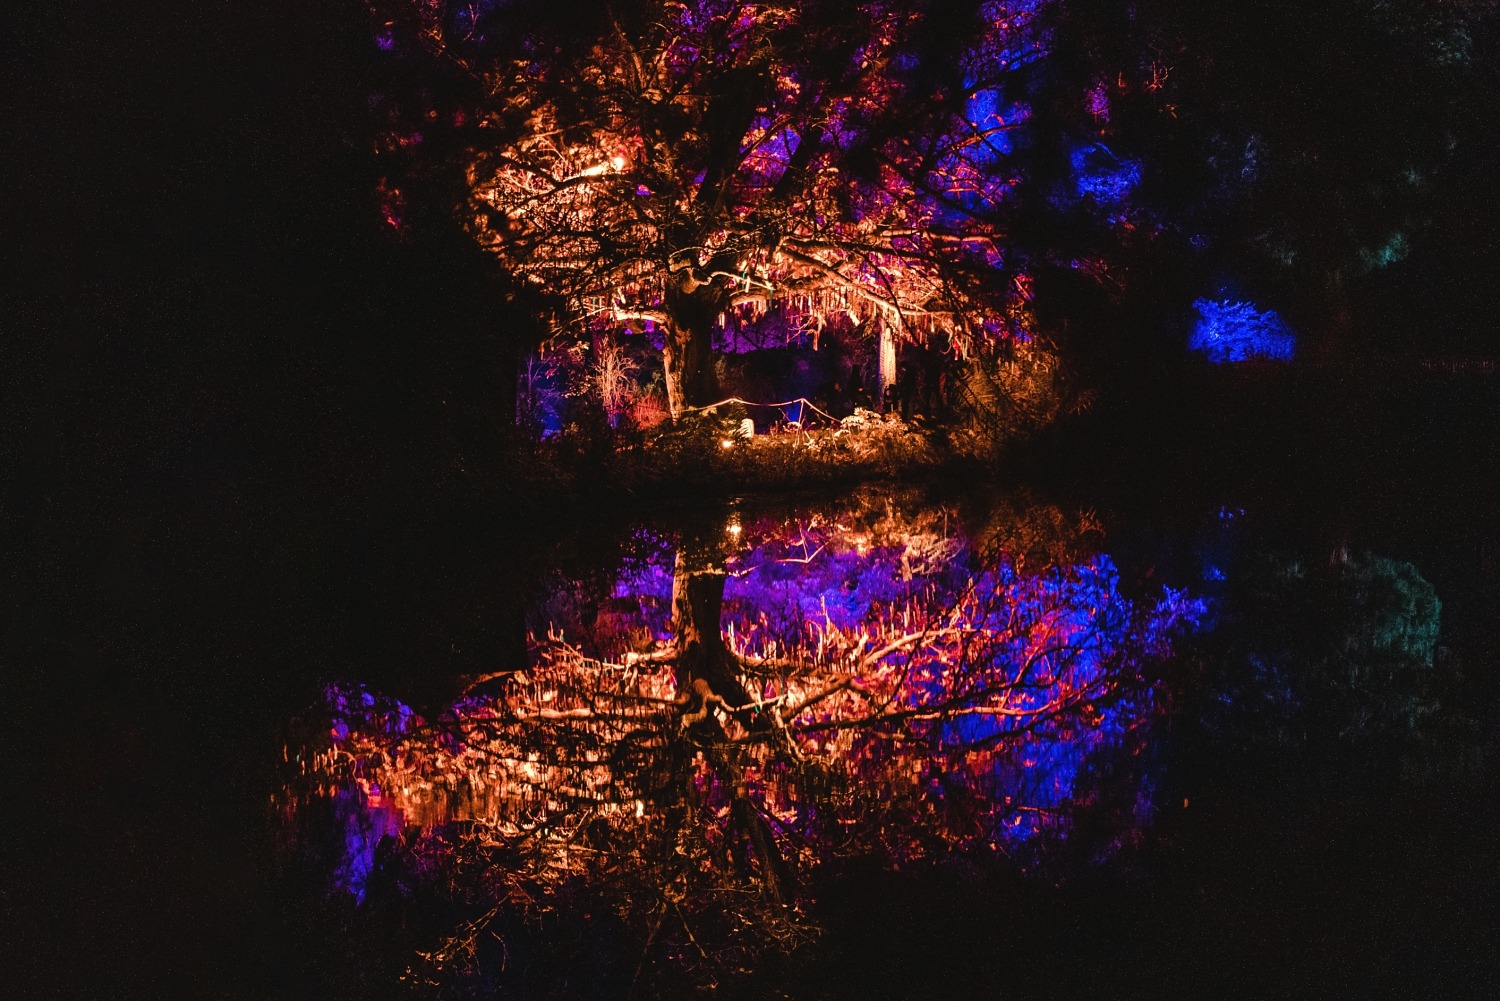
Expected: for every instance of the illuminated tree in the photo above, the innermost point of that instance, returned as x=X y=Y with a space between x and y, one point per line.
x=683 y=166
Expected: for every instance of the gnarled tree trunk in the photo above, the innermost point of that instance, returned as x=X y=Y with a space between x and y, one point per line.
x=688 y=355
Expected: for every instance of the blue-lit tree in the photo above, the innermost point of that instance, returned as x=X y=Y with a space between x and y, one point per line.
x=683 y=166
x=1237 y=331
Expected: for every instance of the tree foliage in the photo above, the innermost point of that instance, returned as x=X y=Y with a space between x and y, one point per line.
x=689 y=166
x=1332 y=656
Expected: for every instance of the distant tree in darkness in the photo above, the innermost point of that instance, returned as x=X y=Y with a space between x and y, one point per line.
x=1290 y=146
x=1327 y=656
x=691 y=165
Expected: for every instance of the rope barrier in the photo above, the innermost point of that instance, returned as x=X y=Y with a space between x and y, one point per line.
x=747 y=403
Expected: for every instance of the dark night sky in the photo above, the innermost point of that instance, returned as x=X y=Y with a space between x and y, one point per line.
x=202 y=403
x=206 y=357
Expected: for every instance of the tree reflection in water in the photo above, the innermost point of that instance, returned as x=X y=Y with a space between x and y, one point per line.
x=747 y=704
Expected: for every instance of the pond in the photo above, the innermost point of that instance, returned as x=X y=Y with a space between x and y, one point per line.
x=717 y=727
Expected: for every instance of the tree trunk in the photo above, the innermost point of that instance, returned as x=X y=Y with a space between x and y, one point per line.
x=508 y=367
x=688 y=354
x=887 y=359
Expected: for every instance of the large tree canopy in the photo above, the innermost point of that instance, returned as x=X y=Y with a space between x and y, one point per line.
x=922 y=167
x=691 y=165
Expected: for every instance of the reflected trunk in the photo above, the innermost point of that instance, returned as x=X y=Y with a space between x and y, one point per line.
x=707 y=667
x=702 y=656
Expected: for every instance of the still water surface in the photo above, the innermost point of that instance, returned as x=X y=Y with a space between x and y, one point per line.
x=720 y=715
